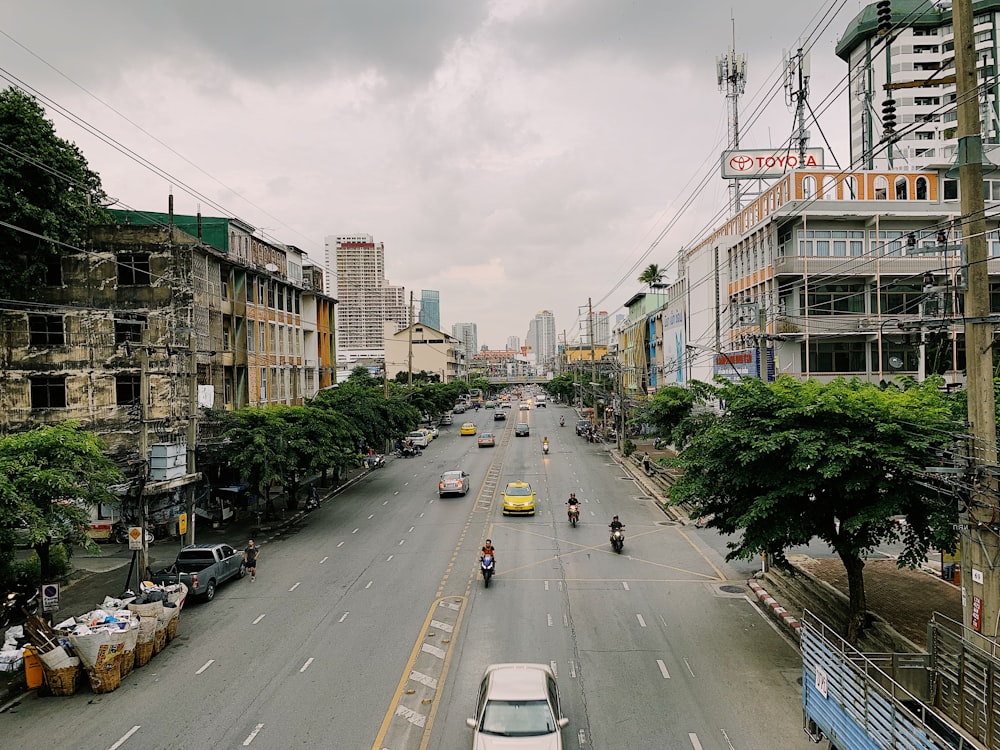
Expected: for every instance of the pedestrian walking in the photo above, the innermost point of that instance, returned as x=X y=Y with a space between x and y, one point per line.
x=645 y=462
x=250 y=555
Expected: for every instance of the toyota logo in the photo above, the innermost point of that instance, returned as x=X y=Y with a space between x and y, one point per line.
x=741 y=163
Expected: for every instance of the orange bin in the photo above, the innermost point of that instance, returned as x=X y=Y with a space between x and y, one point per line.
x=32 y=668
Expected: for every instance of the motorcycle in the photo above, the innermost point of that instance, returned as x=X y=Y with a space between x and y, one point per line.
x=120 y=532
x=24 y=598
x=562 y=421
x=486 y=564
x=617 y=540
x=312 y=502
x=545 y=448
x=375 y=461
x=573 y=512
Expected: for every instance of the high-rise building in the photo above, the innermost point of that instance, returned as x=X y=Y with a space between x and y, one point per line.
x=908 y=78
x=468 y=334
x=595 y=326
x=514 y=344
x=430 y=308
x=355 y=266
x=541 y=338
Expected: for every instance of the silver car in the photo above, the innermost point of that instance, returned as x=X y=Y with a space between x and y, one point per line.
x=518 y=708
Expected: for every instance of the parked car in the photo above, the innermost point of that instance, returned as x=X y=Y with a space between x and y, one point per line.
x=418 y=438
x=519 y=707
x=202 y=567
x=582 y=427
x=453 y=483
x=487 y=440
x=519 y=499
x=459 y=409
x=446 y=420
x=521 y=429
x=468 y=428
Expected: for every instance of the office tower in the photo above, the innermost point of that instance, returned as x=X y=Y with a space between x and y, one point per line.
x=469 y=336
x=430 y=308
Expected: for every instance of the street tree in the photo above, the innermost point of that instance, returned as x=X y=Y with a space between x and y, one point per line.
x=791 y=461
x=318 y=440
x=50 y=477
x=48 y=195
x=256 y=440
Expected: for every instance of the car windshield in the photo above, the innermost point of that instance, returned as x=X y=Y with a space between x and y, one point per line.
x=518 y=718
x=453 y=476
x=518 y=491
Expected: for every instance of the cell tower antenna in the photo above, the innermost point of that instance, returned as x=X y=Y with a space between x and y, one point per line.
x=796 y=95
x=731 y=69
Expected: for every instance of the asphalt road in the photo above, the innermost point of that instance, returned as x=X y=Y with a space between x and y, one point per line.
x=368 y=626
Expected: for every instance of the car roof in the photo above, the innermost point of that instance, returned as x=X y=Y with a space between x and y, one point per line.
x=485 y=434
x=518 y=681
x=519 y=484
x=453 y=472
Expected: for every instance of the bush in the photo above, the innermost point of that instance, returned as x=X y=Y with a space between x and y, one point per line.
x=628 y=448
x=59 y=560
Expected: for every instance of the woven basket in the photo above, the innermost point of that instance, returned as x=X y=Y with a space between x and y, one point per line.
x=61 y=681
x=106 y=680
x=143 y=653
x=128 y=662
x=159 y=640
x=172 y=628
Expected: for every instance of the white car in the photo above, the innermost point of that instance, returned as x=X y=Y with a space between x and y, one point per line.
x=418 y=438
x=518 y=707
x=434 y=432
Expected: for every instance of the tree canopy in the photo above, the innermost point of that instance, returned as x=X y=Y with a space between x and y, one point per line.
x=47 y=193
x=651 y=275
x=49 y=478
x=790 y=461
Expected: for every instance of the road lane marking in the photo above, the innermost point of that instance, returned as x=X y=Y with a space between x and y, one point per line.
x=565 y=620
x=546 y=585
x=688 y=665
x=555 y=669
x=581 y=737
x=305 y=666
x=386 y=502
x=420 y=516
x=411 y=716
x=694 y=741
x=343 y=616
x=549 y=618
x=402 y=542
x=254 y=733
x=424 y=679
x=371 y=516
x=369 y=584
x=388 y=558
x=572 y=669
x=124 y=737
x=259 y=618
x=324 y=559
x=205 y=666
x=411 y=530
x=297 y=584
x=341 y=544
x=642 y=623
x=442 y=626
x=433 y=650
x=663 y=669
x=625 y=585
x=356 y=531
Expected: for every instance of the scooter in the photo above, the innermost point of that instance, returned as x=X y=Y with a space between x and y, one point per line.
x=573 y=512
x=486 y=564
x=562 y=421
x=24 y=598
x=545 y=448
x=312 y=502
x=617 y=540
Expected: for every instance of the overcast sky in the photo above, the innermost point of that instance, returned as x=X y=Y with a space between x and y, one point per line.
x=516 y=155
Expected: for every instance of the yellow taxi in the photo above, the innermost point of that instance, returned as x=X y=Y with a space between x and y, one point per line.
x=518 y=499
x=469 y=428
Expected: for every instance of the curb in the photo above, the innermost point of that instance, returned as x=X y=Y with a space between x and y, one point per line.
x=776 y=611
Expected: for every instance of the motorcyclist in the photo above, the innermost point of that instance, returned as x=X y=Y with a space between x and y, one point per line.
x=573 y=503
x=545 y=445
x=562 y=421
x=488 y=550
x=615 y=525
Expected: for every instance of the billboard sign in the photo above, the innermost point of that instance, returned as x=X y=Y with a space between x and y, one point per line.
x=764 y=163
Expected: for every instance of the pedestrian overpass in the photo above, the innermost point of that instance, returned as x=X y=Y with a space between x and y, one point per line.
x=516 y=379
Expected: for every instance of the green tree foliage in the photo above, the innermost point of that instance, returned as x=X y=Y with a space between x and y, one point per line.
x=561 y=387
x=257 y=447
x=790 y=461
x=47 y=191
x=49 y=479
x=676 y=412
x=651 y=275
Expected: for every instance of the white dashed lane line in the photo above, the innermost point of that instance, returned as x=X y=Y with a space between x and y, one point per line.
x=663 y=669
x=299 y=583
x=305 y=666
x=254 y=733
x=343 y=616
x=205 y=666
x=259 y=618
x=124 y=737
x=324 y=559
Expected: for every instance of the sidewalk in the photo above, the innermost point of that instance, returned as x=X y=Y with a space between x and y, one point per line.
x=96 y=576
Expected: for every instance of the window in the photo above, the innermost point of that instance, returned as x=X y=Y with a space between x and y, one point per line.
x=48 y=392
x=881 y=188
x=808 y=187
x=902 y=189
x=922 y=189
x=46 y=330
x=834 y=299
x=270 y=294
x=133 y=270
x=129 y=329
x=950 y=190
x=262 y=340
x=251 y=337
x=850 y=188
x=127 y=390
x=263 y=384
x=900 y=299
x=835 y=356
x=260 y=291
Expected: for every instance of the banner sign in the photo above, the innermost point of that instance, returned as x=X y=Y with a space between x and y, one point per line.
x=764 y=163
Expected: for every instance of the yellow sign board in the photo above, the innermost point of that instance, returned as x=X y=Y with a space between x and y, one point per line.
x=182 y=524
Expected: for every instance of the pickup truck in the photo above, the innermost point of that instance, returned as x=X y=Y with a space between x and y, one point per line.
x=202 y=567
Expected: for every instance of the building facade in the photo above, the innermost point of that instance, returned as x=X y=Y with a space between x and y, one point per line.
x=366 y=300
x=419 y=347
x=468 y=334
x=430 y=308
x=916 y=61
x=541 y=339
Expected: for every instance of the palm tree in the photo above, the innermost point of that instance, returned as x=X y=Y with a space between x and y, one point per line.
x=652 y=275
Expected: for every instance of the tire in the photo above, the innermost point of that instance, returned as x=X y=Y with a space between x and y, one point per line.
x=209 y=594
x=487 y=575
x=243 y=571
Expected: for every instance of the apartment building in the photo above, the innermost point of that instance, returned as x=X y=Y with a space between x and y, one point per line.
x=366 y=300
x=914 y=66
x=419 y=347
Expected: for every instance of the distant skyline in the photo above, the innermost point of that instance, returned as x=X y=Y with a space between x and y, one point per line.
x=513 y=155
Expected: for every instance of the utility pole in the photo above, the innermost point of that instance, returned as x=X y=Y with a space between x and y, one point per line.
x=980 y=576
x=409 y=365
x=143 y=456
x=762 y=341
x=593 y=362
x=192 y=426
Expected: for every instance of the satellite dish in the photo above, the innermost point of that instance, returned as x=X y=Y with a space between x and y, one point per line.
x=271 y=267
x=895 y=363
